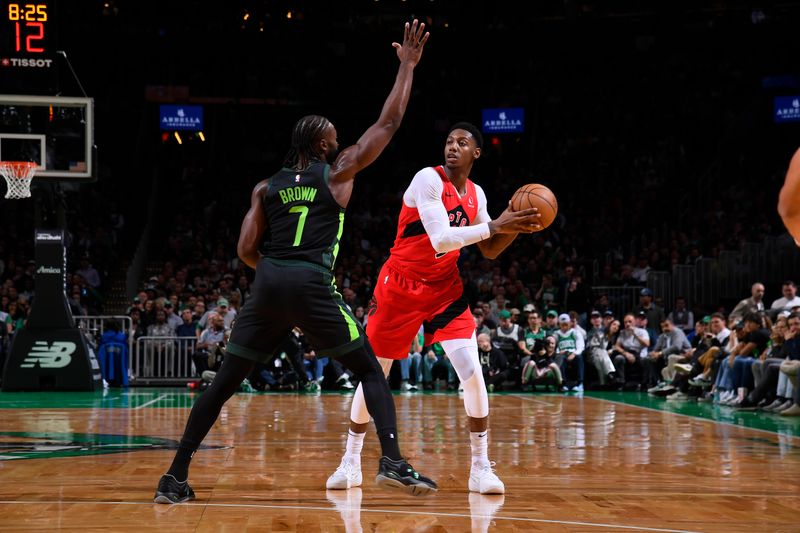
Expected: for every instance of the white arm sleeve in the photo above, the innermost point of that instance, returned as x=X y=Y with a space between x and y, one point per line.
x=425 y=193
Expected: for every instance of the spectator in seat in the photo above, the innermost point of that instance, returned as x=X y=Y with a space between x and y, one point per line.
x=493 y=363
x=788 y=300
x=569 y=351
x=681 y=316
x=173 y=320
x=631 y=347
x=753 y=304
x=507 y=337
x=89 y=273
x=551 y=322
x=210 y=346
x=655 y=314
x=671 y=348
x=596 y=353
x=542 y=365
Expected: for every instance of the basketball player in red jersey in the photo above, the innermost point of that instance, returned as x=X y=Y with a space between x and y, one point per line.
x=443 y=211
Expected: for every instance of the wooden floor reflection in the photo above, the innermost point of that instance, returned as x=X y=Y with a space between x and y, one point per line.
x=569 y=464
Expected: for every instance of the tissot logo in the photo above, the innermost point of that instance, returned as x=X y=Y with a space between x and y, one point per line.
x=20 y=62
x=57 y=355
x=48 y=270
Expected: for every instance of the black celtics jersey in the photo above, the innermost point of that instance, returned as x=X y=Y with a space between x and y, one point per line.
x=305 y=222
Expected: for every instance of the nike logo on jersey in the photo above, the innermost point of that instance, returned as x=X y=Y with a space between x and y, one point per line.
x=449 y=195
x=385 y=280
x=439 y=255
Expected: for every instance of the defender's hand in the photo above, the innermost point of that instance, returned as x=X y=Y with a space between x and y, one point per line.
x=414 y=39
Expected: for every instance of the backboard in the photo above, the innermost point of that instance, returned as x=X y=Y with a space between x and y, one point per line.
x=55 y=132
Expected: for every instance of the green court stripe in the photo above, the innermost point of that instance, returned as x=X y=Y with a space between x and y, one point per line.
x=752 y=420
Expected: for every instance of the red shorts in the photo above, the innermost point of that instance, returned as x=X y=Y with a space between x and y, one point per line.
x=400 y=304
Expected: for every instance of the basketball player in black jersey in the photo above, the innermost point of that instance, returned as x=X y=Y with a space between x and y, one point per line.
x=290 y=236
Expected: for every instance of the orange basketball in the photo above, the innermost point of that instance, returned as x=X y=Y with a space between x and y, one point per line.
x=539 y=196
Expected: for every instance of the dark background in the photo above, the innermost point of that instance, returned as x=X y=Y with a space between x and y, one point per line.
x=643 y=117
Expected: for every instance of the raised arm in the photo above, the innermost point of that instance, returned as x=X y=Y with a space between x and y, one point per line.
x=253 y=227
x=789 y=199
x=377 y=137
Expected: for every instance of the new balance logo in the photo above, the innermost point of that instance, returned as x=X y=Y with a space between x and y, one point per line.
x=57 y=355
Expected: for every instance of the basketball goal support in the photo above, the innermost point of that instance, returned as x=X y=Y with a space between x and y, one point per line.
x=50 y=352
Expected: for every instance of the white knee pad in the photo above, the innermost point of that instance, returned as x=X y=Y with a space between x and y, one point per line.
x=358 y=409
x=463 y=355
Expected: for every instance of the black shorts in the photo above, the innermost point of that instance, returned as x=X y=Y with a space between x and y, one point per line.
x=286 y=294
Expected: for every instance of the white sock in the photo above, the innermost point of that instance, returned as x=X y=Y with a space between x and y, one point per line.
x=355 y=441
x=480 y=448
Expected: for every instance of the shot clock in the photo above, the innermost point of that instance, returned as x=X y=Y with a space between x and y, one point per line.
x=27 y=45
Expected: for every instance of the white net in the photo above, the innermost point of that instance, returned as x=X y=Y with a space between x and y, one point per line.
x=18 y=175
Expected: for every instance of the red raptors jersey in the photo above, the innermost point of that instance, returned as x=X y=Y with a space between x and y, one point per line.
x=413 y=253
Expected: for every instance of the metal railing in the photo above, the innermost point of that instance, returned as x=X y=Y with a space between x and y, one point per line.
x=163 y=359
x=96 y=325
x=714 y=281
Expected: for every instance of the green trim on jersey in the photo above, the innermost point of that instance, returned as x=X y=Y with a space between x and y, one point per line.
x=329 y=257
x=352 y=326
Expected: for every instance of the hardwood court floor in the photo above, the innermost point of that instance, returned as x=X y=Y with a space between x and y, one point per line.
x=90 y=462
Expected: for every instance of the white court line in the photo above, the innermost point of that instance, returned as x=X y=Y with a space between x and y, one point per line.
x=694 y=417
x=363 y=510
x=532 y=400
x=151 y=401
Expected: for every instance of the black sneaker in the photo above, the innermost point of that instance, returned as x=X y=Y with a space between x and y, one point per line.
x=401 y=475
x=170 y=490
x=746 y=405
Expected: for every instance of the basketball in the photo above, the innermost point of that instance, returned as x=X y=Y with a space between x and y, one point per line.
x=538 y=196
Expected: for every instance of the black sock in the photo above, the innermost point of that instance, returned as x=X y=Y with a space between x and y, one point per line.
x=206 y=410
x=180 y=465
x=389 y=446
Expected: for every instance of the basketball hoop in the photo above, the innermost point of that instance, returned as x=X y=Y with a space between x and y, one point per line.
x=18 y=175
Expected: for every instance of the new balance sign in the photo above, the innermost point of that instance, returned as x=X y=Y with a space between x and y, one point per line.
x=56 y=355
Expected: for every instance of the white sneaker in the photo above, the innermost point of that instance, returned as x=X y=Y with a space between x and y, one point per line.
x=344 y=383
x=484 y=480
x=726 y=396
x=405 y=387
x=347 y=476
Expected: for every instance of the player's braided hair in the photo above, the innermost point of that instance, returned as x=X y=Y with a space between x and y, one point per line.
x=307 y=130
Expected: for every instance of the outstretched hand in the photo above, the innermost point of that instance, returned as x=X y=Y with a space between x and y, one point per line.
x=414 y=39
x=523 y=221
